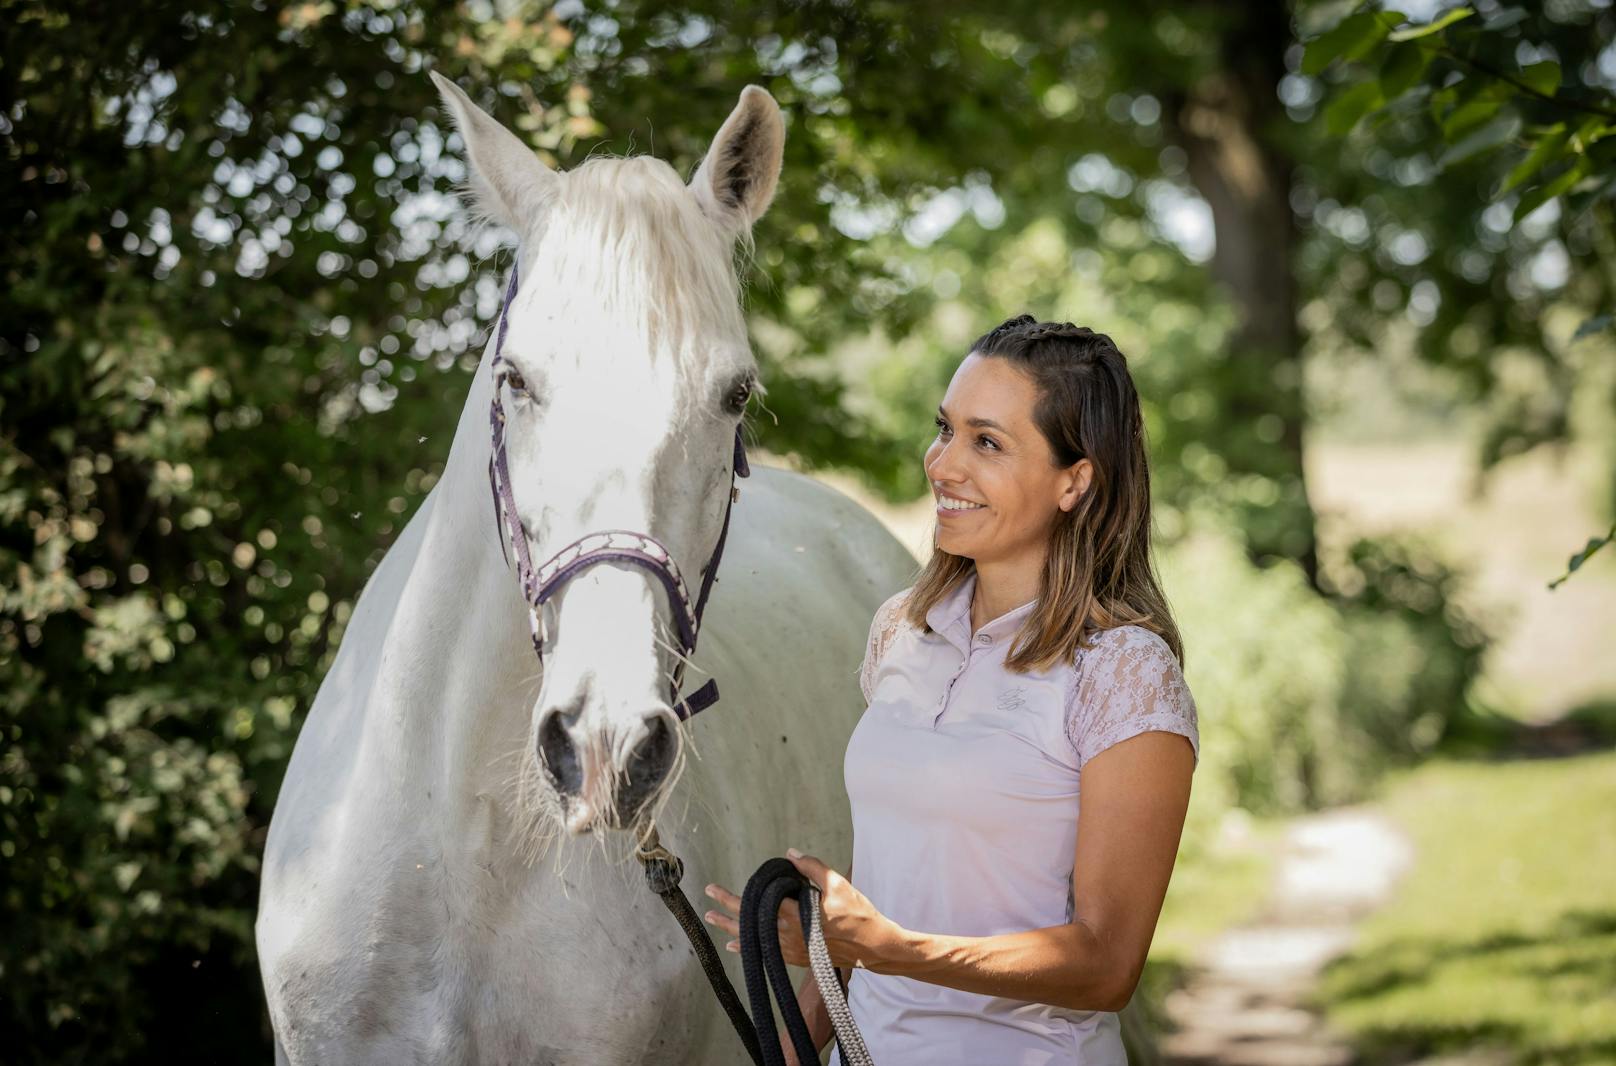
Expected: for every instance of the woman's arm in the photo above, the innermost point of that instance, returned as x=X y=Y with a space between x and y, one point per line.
x=1133 y=799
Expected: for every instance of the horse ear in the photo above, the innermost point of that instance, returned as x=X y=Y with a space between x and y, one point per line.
x=508 y=182
x=737 y=178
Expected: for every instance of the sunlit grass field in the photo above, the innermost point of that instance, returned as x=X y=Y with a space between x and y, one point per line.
x=1504 y=933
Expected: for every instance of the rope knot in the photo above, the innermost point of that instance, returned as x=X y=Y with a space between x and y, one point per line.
x=663 y=869
x=663 y=876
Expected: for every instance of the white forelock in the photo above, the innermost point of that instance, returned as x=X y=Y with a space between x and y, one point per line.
x=625 y=247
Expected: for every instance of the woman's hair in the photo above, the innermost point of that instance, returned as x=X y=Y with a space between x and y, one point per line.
x=1098 y=572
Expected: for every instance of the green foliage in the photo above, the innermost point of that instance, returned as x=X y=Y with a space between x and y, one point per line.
x=1547 y=120
x=1306 y=701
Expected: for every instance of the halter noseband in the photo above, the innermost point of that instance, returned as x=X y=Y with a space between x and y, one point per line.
x=607 y=545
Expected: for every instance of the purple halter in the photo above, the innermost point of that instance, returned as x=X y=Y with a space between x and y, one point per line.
x=607 y=545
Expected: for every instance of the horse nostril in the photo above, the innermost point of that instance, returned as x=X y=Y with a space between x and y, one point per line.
x=652 y=757
x=559 y=756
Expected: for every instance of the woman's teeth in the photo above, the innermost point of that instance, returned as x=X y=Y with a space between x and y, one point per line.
x=958 y=505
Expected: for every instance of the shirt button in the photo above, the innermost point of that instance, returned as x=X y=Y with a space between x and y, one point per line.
x=984 y=639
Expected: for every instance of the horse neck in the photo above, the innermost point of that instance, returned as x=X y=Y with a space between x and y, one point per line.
x=457 y=676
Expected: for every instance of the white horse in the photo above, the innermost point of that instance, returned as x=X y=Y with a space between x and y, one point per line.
x=420 y=902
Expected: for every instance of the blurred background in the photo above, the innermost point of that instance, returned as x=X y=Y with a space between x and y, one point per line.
x=1361 y=259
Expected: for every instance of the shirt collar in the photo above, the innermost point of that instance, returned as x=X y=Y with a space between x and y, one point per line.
x=951 y=616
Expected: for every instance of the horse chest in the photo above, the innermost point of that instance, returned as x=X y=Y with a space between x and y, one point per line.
x=469 y=965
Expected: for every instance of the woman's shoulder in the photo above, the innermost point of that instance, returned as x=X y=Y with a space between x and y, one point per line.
x=889 y=618
x=884 y=627
x=1139 y=640
x=893 y=606
x=1129 y=656
x=1128 y=681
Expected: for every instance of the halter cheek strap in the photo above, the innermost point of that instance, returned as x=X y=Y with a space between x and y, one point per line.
x=607 y=545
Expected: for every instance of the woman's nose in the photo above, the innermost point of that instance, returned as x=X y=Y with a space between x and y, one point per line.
x=940 y=462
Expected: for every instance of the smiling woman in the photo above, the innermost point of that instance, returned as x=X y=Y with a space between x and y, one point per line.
x=1019 y=780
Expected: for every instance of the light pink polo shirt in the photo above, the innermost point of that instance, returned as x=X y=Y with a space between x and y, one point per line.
x=963 y=779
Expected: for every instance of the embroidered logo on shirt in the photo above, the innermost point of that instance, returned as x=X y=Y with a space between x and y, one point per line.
x=1011 y=699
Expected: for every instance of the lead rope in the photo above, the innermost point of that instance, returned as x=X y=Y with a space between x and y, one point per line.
x=774 y=882
x=848 y=1038
x=762 y=963
x=663 y=871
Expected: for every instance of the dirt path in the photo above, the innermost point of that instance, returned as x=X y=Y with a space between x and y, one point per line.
x=1243 y=1005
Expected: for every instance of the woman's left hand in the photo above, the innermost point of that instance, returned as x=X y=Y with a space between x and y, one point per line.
x=855 y=932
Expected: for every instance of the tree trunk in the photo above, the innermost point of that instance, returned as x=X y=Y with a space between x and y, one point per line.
x=1226 y=123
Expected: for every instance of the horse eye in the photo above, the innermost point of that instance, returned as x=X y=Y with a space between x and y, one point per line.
x=515 y=381
x=738 y=397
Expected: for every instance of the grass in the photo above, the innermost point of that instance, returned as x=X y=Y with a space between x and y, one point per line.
x=1503 y=935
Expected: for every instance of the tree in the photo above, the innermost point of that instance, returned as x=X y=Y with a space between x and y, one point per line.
x=1517 y=97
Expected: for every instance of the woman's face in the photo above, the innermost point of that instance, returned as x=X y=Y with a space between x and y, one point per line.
x=999 y=461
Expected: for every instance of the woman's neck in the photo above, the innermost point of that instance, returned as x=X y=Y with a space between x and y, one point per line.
x=1002 y=586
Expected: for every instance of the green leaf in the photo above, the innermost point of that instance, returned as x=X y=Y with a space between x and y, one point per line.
x=1403 y=67
x=1495 y=133
x=1470 y=114
x=1449 y=18
x=1353 y=104
x=1591 y=130
x=1351 y=38
x=1541 y=195
x=1594 y=544
x=1543 y=77
x=1549 y=145
x=1596 y=324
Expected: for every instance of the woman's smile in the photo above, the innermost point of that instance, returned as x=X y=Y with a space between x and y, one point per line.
x=953 y=505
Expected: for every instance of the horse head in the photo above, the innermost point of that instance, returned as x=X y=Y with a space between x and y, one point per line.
x=626 y=372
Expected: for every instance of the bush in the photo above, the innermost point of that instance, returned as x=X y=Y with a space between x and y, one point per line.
x=1304 y=699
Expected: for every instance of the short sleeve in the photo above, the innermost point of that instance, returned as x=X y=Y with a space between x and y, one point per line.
x=1128 y=683
x=883 y=627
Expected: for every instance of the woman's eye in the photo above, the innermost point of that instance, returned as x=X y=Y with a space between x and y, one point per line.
x=942 y=428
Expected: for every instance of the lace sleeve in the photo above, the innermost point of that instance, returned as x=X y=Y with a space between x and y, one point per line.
x=883 y=627
x=1129 y=683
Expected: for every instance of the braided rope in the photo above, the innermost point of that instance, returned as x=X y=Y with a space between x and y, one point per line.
x=854 y=1053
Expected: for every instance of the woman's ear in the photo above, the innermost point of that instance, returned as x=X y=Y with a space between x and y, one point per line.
x=1075 y=483
x=508 y=182
x=736 y=180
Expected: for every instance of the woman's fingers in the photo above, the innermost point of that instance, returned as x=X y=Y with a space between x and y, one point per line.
x=788 y=923
x=730 y=923
x=725 y=896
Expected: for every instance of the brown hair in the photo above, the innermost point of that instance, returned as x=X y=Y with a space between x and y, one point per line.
x=1098 y=572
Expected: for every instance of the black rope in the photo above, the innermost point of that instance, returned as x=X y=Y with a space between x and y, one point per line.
x=762 y=962
x=776 y=880
x=663 y=875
